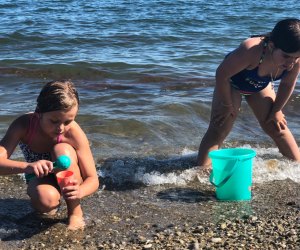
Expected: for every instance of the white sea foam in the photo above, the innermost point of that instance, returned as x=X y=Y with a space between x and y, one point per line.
x=156 y=178
x=274 y=168
x=268 y=165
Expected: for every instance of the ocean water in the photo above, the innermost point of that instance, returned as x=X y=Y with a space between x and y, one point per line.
x=145 y=74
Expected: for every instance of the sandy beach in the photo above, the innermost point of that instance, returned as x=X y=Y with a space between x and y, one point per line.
x=157 y=217
x=145 y=74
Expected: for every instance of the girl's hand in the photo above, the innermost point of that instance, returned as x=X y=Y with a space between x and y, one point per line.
x=40 y=168
x=278 y=119
x=222 y=113
x=72 y=191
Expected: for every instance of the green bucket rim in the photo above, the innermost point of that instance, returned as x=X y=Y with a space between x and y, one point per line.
x=218 y=154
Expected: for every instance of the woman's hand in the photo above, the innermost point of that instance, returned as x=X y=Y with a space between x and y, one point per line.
x=222 y=113
x=278 y=119
x=40 y=168
x=72 y=191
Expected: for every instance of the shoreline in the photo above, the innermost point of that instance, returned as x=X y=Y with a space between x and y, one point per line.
x=157 y=217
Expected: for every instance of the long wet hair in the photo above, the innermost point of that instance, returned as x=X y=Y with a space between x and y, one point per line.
x=57 y=95
x=285 y=35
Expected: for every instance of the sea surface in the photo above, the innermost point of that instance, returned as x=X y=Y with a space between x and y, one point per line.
x=144 y=70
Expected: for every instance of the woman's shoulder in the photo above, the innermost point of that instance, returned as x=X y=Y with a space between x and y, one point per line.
x=291 y=75
x=251 y=50
x=253 y=44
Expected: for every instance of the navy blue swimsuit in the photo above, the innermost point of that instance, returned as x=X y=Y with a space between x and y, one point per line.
x=249 y=82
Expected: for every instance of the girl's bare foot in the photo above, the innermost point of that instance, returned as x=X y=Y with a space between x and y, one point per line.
x=50 y=214
x=76 y=222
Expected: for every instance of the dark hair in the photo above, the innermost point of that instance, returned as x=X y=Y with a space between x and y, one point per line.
x=286 y=35
x=57 y=95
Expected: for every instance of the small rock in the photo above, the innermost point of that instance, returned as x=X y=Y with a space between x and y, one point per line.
x=216 y=240
x=253 y=218
x=148 y=246
x=280 y=228
x=142 y=239
x=195 y=246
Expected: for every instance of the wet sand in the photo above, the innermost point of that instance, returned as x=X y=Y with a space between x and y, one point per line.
x=157 y=217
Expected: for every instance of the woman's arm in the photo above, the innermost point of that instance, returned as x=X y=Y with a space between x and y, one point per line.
x=284 y=92
x=286 y=88
x=246 y=56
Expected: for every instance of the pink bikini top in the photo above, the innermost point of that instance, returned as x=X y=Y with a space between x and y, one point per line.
x=29 y=155
x=33 y=125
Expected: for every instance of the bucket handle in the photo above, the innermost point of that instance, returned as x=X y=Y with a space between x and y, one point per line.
x=211 y=177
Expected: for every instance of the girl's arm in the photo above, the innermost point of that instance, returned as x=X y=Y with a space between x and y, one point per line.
x=86 y=163
x=16 y=131
x=7 y=147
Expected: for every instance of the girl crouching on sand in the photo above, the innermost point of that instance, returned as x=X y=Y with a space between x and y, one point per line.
x=43 y=136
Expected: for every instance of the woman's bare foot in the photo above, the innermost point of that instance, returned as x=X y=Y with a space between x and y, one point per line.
x=76 y=222
x=204 y=170
x=203 y=173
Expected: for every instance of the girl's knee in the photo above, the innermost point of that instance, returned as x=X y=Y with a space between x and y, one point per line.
x=44 y=198
x=64 y=149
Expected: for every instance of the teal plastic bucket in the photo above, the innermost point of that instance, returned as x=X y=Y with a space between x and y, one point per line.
x=232 y=173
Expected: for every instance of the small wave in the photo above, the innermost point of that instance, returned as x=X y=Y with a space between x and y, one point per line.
x=114 y=71
x=148 y=170
x=55 y=71
x=8 y=5
x=268 y=165
x=21 y=37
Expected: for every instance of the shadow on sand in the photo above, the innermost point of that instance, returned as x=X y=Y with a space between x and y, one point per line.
x=187 y=195
x=18 y=221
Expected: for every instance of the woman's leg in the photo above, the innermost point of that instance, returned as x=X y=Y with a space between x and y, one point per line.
x=216 y=134
x=75 y=212
x=261 y=103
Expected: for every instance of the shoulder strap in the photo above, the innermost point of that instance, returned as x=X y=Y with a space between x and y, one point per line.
x=59 y=138
x=33 y=124
x=263 y=52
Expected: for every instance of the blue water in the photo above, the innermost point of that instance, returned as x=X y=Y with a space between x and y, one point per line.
x=145 y=75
